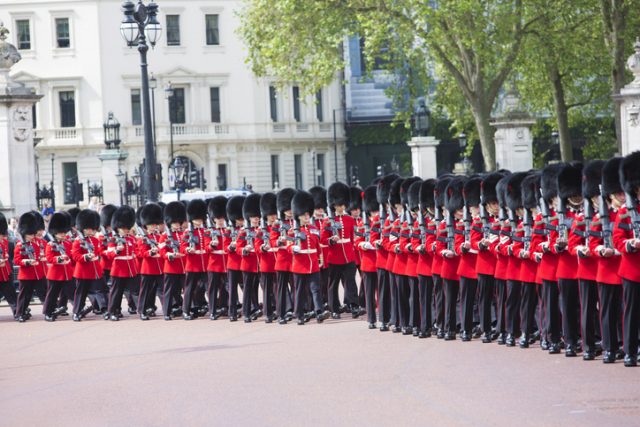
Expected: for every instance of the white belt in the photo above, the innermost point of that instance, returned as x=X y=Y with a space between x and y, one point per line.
x=306 y=251
x=198 y=252
x=344 y=241
x=125 y=258
x=324 y=246
x=218 y=252
x=272 y=250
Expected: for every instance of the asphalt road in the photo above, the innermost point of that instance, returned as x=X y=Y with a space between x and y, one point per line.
x=153 y=373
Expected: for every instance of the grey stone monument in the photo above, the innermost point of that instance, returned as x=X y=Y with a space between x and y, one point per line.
x=513 y=139
x=629 y=99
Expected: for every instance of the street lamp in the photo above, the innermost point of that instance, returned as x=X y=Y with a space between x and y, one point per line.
x=422 y=119
x=121 y=176
x=168 y=94
x=555 y=137
x=153 y=85
x=111 y=132
x=139 y=25
x=462 y=141
x=53 y=197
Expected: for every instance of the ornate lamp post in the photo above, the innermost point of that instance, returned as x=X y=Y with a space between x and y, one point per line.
x=139 y=25
x=168 y=93
x=111 y=132
x=153 y=85
x=422 y=119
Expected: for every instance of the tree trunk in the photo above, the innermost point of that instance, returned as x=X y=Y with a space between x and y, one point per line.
x=481 y=115
x=562 y=113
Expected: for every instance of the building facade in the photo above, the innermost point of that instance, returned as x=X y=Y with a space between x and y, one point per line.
x=237 y=128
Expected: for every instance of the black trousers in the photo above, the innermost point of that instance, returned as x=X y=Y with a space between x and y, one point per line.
x=362 y=299
x=82 y=290
x=451 y=289
x=9 y=294
x=425 y=291
x=570 y=306
x=402 y=301
x=468 y=288
x=513 y=307
x=589 y=321
x=283 y=294
x=131 y=291
x=486 y=288
x=370 y=284
x=251 y=283
x=501 y=305
x=439 y=300
x=552 y=310
x=631 y=317
x=172 y=282
x=384 y=296
x=118 y=287
x=610 y=299
x=267 y=283
x=25 y=293
x=215 y=284
x=40 y=289
x=542 y=314
x=324 y=284
x=301 y=282
x=345 y=273
x=528 y=302
x=192 y=281
x=99 y=295
x=67 y=293
x=394 y=300
x=234 y=279
x=147 y=294
x=54 y=289
x=414 y=302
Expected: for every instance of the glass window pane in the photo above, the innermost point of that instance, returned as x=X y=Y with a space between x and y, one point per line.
x=67 y=109
x=297 y=165
x=24 y=34
x=275 y=171
x=213 y=36
x=173 y=30
x=296 y=103
x=62 y=33
x=215 y=105
x=177 y=106
x=273 y=102
x=136 y=107
x=320 y=166
x=319 y=106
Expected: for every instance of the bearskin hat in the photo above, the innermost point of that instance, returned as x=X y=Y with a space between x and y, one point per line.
x=549 y=181
x=531 y=190
x=251 y=206
x=4 y=226
x=394 y=192
x=370 y=202
x=440 y=190
x=73 y=212
x=283 y=199
x=105 y=215
x=151 y=214
x=427 y=187
x=404 y=189
x=355 y=198
x=123 y=217
x=453 y=194
x=175 y=212
x=413 y=195
x=268 y=204
x=303 y=203
x=59 y=223
x=488 y=187
x=40 y=220
x=338 y=194
x=218 y=207
x=471 y=191
x=501 y=191
x=234 y=208
x=319 y=197
x=27 y=224
x=630 y=172
x=513 y=191
x=383 y=188
x=592 y=178
x=197 y=209
x=570 y=181
x=611 y=177
x=88 y=219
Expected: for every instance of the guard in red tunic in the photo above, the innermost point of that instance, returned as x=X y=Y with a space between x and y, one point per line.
x=307 y=258
x=217 y=266
x=279 y=239
x=40 y=288
x=86 y=253
x=319 y=215
x=6 y=271
x=611 y=199
x=107 y=234
x=339 y=233
x=468 y=256
x=440 y=238
x=58 y=253
x=175 y=214
x=390 y=244
x=234 y=258
x=27 y=257
x=194 y=246
x=408 y=263
x=366 y=245
x=502 y=262
x=149 y=251
x=124 y=262
x=355 y=210
x=626 y=239
x=68 y=291
x=267 y=254
x=248 y=246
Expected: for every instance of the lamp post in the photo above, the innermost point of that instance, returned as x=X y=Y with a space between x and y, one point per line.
x=53 y=194
x=111 y=132
x=169 y=93
x=422 y=119
x=139 y=25
x=462 y=141
x=179 y=169
x=136 y=185
x=153 y=84
x=121 y=184
x=555 y=140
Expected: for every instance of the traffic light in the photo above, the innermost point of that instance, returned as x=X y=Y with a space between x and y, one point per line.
x=380 y=170
x=194 y=178
x=203 y=181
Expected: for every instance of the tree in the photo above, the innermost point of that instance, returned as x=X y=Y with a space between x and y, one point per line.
x=474 y=45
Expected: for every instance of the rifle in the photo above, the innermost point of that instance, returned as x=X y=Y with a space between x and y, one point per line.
x=366 y=226
x=563 y=232
x=603 y=212
x=265 y=234
x=632 y=208
x=58 y=247
x=171 y=242
x=383 y=213
x=527 y=223
x=284 y=227
x=191 y=239
x=422 y=223
x=298 y=235
x=333 y=227
x=484 y=217
x=145 y=237
x=213 y=232
x=85 y=244
x=466 y=219
x=391 y=215
x=588 y=214
x=544 y=209
x=450 y=224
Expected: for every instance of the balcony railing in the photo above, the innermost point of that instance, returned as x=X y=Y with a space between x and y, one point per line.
x=65 y=133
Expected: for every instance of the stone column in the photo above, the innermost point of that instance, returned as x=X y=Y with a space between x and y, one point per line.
x=110 y=169
x=629 y=100
x=513 y=139
x=423 y=156
x=17 y=157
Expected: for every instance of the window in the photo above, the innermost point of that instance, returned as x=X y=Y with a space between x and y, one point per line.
x=173 y=30
x=215 y=104
x=297 y=168
x=319 y=106
x=67 y=109
x=69 y=172
x=213 y=32
x=177 y=113
x=24 y=34
x=33 y=116
x=273 y=102
x=63 y=39
x=222 y=176
x=320 y=167
x=296 y=103
x=275 y=171
x=136 y=107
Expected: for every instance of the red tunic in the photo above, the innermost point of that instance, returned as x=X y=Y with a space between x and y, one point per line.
x=502 y=257
x=197 y=260
x=22 y=252
x=60 y=264
x=567 y=263
x=267 y=256
x=172 y=264
x=152 y=264
x=408 y=250
x=607 y=267
x=283 y=257
x=342 y=251
x=234 y=258
x=379 y=231
x=587 y=266
x=549 y=263
x=85 y=269
x=449 y=268
x=306 y=261
x=630 y=263
x=468 y=260
x=367 y=256
x=425 y=258
x=124 y=263
x=5 y=266
x=486 y=259
x=105 y=260
x=440 y=231
x=217 y=255
x=248 y=259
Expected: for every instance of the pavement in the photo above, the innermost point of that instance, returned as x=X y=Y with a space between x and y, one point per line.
x=202 y=372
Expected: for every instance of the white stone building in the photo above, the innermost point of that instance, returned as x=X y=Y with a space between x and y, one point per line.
x=227 y=121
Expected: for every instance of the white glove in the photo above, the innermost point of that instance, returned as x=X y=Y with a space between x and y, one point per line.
x=296 y=249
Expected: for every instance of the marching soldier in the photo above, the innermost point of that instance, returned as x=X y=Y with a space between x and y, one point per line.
x=380 y=232
x=106 y=235
x=124 y=263
x=319 y=215
x=86 y=253
x=267 y=254
x=234 y=258
x=502 y=262
x=217 y=266
x=389 y=243
x=250 y=265
x=148 y=250
x=58 y=253
x=279 y=239
x=355 y=210
x=441 y=237
x=194 y=246
x=6 y=272
x=407 y=260
x=175 y=214
x=366 y=245
x=27 y=257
